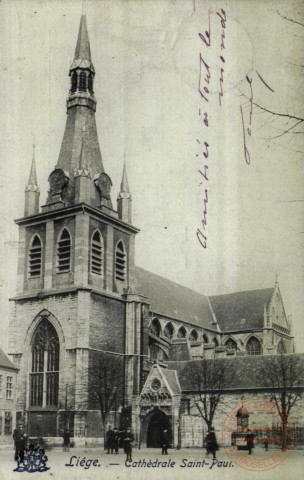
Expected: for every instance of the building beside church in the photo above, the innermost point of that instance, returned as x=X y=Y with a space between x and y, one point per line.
x=79 y=291
x=8 y=382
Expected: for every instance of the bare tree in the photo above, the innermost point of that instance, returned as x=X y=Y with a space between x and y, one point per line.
x=284 y=375
x=290 y=119
x=106 y=383
x=208 y=379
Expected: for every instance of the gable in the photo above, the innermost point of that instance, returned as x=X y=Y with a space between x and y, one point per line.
x=276 y=310
x=162 y=382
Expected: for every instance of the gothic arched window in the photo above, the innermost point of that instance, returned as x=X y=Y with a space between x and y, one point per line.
x=44 y=377
x=205 y=338
x=120 y=262
x=74 y=82
x=90 y=82
x=169 y=331
x=253 y=346
x=215 y=341
x=231 y=344
x=281 y=348
x=35 y=257
x=82 y=81
x=193 y=336
x=155 y=327
x=96 y=257
x=181 y=332
x=64 y=252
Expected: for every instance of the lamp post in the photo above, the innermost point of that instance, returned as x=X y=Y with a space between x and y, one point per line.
x=115 y=404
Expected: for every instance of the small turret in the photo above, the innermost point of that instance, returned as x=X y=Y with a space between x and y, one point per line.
x=124 y=199
x=32 y=193
x=82 y=177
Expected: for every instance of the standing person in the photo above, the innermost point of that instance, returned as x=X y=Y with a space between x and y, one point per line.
x=250 y=438
x=110 y=439
x=66 y=440
x=128 y=444
x=212 y=445
x=116 y=439
x=165 y=442
x=19 y=437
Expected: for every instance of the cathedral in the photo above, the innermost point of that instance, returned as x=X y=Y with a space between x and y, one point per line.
x=79 y=292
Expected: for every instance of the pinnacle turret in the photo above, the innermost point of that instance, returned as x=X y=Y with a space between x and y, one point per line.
x=32 y=193
x=124 y=198
x=124 y=186
x=32 y=184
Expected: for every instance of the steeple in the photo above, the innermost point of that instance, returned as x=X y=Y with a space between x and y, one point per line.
x=83 y=51
x=124 y=198
x=82 y=70
x=80 y=152
x=32 y=193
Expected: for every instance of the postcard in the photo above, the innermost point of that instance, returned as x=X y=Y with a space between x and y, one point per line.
x=151 y=235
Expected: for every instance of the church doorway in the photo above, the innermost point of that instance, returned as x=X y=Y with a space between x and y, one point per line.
x=158 y=422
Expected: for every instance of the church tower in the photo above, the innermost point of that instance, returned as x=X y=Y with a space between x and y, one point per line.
x=75 y=271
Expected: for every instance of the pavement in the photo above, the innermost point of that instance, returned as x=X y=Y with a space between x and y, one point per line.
x=192 y=464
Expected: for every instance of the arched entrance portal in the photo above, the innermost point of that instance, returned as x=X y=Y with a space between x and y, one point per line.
x=158 y=422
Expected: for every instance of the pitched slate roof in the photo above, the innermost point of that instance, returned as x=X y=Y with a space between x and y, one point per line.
x=173 y=300
x=172 y=379
x=247 y=370
x=232 y=308
x=5 y=361
x=238 y=311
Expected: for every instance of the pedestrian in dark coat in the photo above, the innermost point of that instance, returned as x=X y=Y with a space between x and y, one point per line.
x=116 y=440
x=212 y=445
x=165 y=442
x=129 y=438
x=66 y=440
x=250 y=439
x=19 y=437
x=110 y=440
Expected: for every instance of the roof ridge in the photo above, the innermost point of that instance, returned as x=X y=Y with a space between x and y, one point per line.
x=241 y=291
x=171 y=281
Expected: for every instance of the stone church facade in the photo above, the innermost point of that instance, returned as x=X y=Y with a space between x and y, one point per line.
x=79 y=291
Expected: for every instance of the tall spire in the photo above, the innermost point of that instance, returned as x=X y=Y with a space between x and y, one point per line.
x=83 y=44
x=31 y=204
x=80 y=146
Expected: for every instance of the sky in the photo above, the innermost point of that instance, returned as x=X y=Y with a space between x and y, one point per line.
x=152 y=61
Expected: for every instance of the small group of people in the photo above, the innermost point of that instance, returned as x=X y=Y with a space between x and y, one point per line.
x=112 y=440
x=115 y=437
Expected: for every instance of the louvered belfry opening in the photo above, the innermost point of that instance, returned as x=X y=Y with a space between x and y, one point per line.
x=74 y=82
x=82 y=82
x=64 y=252
x=120 y=263
x=96 y=254
x=35 y=257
